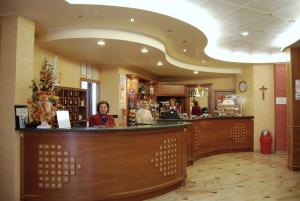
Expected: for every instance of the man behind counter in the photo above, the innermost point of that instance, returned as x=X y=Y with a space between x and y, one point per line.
x=143 y=115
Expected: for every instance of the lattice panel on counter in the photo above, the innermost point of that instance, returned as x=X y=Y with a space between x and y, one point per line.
x=165 y=158
x=238 y=133
x=197 y=138
x=55 y=166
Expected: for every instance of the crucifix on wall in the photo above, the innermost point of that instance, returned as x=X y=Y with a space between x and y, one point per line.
x=263 y=89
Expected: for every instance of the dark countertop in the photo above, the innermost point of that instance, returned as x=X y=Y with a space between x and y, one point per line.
x=207 y=118
x=97 y=129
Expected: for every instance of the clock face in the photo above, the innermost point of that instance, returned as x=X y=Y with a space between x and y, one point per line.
x=243 y=86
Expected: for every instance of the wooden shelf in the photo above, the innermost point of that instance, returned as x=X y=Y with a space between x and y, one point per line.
x=71 y=99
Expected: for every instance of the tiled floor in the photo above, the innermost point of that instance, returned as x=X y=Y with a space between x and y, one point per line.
x=239 y=177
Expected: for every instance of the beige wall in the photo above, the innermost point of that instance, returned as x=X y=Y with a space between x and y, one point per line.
x=67 y=69
x=17 y=44
x=247 y=96
x=263 y=109
x=110 y=87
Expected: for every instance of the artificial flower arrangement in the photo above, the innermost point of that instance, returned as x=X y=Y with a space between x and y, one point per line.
x=44 y=101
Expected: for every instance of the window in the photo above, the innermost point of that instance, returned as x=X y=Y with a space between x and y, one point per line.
x=93 y=94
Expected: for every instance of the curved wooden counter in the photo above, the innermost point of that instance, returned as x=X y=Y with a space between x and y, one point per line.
x=207 y=136
x=102 y=164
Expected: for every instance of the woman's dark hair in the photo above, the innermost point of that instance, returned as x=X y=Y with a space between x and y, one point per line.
x=196 y=103
x=100 y=103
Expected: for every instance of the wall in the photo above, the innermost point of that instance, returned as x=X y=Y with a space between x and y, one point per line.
x=110 y=87
x=263 y=109
x=67 y=68
x=247 y=96
x=17 y=44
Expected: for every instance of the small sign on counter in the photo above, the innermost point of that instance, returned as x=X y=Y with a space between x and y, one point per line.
x=63 y=119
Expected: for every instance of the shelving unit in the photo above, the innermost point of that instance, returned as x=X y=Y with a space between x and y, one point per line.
x=75 y=101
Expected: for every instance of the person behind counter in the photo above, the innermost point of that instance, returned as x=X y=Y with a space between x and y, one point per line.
x=173 y=105
x=102 y=118
x=143 y=115
x=173 y=112
x=196 y=110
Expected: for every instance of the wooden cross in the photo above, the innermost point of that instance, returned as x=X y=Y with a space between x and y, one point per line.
x=263 y=88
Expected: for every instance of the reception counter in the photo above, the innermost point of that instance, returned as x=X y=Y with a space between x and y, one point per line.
x=93 y=164
x=207 y=136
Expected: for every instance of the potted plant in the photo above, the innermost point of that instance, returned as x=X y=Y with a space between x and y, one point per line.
x=44 y=101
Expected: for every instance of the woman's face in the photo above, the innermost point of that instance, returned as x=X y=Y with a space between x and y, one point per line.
x=103 y=109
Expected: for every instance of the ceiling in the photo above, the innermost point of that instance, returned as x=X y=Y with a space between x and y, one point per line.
x=74 y=30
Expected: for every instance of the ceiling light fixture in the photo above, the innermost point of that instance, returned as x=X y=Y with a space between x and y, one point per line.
x=203 y=61
x=196 y=72
x=144 y=50
x=184 y=50
x=101 y=42
x=159 y=63
x=245 y=33
x=132 y=19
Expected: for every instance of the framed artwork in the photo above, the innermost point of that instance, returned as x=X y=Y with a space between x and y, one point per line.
x=21 y=116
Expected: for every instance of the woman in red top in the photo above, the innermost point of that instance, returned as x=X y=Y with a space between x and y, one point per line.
x=102 y=118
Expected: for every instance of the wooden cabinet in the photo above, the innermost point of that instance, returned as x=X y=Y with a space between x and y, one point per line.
x=75 y=101
x=171 y=90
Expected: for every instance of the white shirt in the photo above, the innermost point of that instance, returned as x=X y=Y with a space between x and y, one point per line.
x=144 y=116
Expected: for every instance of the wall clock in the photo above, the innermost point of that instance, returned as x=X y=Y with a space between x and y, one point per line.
x=243 y=86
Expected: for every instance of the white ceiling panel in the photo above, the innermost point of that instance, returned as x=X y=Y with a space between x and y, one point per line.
x=242 y=16
x=267 y=23
x=219 y=8
x=290 y=12
x=270 y=6
x=240 y=2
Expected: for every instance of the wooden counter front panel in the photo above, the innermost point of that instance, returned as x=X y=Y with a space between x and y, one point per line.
x=221 y=135
x=100 y=166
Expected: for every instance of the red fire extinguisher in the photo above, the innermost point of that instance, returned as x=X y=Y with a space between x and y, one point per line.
x=266 y=142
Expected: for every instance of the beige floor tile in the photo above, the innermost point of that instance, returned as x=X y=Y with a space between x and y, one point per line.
x=248 y=176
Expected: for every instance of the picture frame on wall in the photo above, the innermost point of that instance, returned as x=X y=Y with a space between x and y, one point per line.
x=21 y=116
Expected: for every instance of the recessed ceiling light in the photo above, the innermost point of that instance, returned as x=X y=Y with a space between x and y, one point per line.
x=159 y=63
x=132 y=19
x=203 y=61
x=196 y=72
x=101 y=42
x=144 y=50
x=184 y=50
x=245 y=33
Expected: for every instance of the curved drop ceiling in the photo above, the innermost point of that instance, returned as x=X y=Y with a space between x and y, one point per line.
x=172 y=32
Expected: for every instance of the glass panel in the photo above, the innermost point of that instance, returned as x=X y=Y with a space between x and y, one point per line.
x=84 y=85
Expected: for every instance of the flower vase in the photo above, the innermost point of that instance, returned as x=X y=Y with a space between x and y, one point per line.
x=44 y=124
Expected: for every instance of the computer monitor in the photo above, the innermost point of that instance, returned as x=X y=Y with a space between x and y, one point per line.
x=172 y=114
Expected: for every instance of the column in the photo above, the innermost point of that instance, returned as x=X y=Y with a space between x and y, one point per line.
x=293 y=110
x=16 y=72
